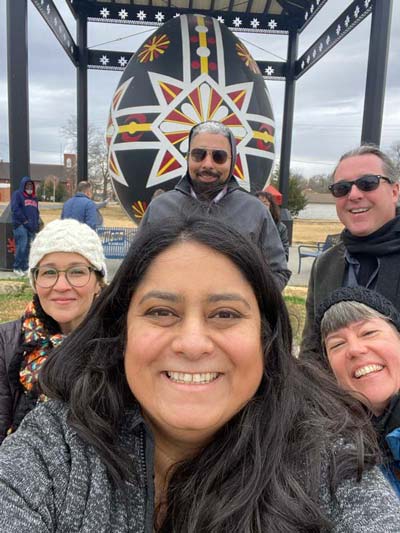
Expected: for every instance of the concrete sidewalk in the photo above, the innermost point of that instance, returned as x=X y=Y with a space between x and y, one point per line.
x=299 y=280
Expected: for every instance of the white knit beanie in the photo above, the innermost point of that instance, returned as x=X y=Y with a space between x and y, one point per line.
x=68 y=235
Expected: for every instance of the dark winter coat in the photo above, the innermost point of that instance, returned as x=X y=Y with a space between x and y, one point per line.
x=10 y=392
x=25 y=207
x=238 y=209
x=283 y=234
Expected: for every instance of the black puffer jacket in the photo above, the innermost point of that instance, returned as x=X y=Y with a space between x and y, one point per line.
x=10 y=342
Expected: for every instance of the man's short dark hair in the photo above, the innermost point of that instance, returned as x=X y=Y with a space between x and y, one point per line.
x=83 y=186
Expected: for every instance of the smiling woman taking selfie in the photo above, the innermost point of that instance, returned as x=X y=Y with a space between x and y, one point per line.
x=359 y=331
x=178 y=406
x=66 y=270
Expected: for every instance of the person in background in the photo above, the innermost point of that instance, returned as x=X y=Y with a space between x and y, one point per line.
x=25 y=221
x=67 y=272
x=366 y=191
x=178 y=406
x=210 y=188
x=81 y=206
x=99 y=216
x=359 y=331
x=268 y=200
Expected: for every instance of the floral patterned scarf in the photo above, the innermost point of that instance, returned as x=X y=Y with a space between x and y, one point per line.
x=38 y=342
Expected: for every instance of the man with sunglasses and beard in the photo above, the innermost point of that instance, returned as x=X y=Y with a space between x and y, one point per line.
x=366 y=193
x=209 y=187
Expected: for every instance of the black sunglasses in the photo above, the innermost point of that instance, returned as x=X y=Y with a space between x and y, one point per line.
x=367 y=183
x=219 y=156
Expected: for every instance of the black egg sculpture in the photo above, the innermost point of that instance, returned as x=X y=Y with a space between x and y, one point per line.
x=190 y=70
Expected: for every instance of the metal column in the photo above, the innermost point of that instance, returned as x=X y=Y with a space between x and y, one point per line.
x=18 y=99
x=376 y=74
x=82 y=100
x=18 y=118
x=288 y=110
x=287 y=129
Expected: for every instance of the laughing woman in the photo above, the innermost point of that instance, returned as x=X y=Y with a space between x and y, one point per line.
x=360 y=337
x=178 y=407
x=67 y=270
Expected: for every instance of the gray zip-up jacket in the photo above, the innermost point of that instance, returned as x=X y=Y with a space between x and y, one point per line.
x=237 y=208
x=51 y=481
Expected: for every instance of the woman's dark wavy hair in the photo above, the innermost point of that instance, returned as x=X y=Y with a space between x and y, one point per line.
x=273 y=206
x=264 y=469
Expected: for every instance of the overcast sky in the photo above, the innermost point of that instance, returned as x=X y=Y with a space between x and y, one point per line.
x=329 y=97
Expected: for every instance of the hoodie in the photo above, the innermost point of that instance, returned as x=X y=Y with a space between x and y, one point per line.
x=24 y=207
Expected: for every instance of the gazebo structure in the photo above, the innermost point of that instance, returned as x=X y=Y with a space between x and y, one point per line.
x=289 y=17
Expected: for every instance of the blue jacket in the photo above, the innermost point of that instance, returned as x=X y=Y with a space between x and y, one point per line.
x=81 y=208
x=24 y=207
x=387 y=427
x=392 y=469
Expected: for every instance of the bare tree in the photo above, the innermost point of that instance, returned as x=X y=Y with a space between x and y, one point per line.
x=319 y=183
x=394 y=153
x=98 y=172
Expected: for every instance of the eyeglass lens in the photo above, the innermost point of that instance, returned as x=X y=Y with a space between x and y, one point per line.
x=77 y=276
x=365 y=183
x=219 y=156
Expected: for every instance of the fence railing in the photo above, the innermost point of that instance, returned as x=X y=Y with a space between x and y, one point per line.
x=116 y=241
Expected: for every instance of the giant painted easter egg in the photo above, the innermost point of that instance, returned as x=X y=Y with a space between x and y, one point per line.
x=190 y=70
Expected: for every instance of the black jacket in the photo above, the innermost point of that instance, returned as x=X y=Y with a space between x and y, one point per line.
x=238 y=209
x=10 y=342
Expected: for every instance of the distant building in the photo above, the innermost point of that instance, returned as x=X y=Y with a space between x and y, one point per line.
x=318 y=197
x=41 y=172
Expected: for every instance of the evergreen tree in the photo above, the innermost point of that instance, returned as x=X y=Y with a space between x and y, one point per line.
x=296 y=199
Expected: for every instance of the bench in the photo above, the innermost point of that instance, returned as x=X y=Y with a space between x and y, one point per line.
x=116 y=241
x=314 y=250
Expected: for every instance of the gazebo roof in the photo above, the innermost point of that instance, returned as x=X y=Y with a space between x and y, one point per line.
x=295 y=8
x=246 y=15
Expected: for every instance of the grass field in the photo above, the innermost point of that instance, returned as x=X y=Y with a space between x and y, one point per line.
x=14 y=299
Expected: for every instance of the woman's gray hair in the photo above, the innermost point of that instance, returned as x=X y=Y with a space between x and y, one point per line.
x=388 y=167
x=345 y=313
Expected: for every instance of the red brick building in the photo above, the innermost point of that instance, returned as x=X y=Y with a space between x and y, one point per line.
x=41 y=172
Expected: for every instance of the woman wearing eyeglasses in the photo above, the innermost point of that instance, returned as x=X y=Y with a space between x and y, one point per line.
x=67 y=270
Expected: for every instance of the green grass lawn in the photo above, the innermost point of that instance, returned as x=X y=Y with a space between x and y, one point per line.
x=12 y=304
